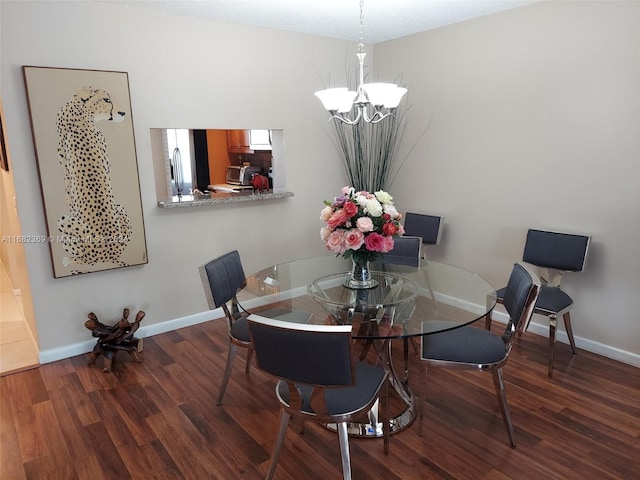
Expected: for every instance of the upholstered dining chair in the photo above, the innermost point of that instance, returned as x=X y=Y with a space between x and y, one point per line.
x=473 y=348
x=319 y=381
x=553 y=253
x=406 y=251
x=427 y=227
x=222 y=278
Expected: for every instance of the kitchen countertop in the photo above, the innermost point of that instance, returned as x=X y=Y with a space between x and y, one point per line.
x=225 y=187
x=216 y=198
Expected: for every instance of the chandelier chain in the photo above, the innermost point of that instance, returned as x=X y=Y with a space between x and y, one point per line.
x=361 y=21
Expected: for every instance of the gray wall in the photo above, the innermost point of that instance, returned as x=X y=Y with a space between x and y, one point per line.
x=535 y=122
x=183 y=72
x=549 y=88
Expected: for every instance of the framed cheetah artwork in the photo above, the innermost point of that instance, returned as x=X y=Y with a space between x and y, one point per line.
x=84 y=142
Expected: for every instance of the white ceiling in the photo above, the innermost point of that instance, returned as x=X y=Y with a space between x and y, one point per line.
x=383 y=19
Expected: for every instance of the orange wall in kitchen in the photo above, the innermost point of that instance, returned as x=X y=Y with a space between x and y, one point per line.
x=218 y=156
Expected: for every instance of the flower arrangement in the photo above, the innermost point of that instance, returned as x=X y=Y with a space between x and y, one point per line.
x=360 y=225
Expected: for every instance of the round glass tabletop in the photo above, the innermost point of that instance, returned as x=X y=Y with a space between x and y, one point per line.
x=411 y=298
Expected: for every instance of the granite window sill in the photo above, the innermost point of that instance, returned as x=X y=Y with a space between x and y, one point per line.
x=217 y=198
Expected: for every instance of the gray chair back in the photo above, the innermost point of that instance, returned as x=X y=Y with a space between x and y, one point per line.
x=222 y=278
x=520 y=297
x=318 y=355
x=428 y=227
x=559 y=251
x=317 y=373
x=406 y=251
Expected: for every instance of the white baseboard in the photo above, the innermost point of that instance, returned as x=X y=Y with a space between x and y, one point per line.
x=55 y=354
x=583 y=343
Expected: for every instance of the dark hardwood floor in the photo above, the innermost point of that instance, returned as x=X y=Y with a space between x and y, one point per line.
x=158 y=419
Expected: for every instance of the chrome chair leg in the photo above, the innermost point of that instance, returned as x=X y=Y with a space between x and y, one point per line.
x=423 y=397
x=247 y=367
x=567 y=325
x=384 y=418
x=487 y=321
x=282 y=431
x=416 y=349
x=553 y=320
x=344 y=450
x=233 y=348
x=498 y=382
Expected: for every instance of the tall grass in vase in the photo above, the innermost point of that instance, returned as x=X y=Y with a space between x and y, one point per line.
x=369 y=151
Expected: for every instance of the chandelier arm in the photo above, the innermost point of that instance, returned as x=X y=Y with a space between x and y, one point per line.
x=366 y=117
x=344 y=119
x=377 y=116
x=381 y=116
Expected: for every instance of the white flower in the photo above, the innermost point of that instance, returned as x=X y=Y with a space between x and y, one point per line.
x=383 y=197
x=373 y=207
x=361 y=200
x=390 y=209
x=325 y=213
x=324 y=233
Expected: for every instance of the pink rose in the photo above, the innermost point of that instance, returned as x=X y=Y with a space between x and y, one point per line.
x=375 y=242
x=388 y=241
x=364 y=224
x=339 y=217
x=335 y=241
x=354 y=239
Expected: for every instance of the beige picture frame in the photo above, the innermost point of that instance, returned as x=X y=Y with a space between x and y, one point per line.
x=4 y=156
x=85 y=149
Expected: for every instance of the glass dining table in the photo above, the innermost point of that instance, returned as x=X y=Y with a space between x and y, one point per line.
x=413 y=297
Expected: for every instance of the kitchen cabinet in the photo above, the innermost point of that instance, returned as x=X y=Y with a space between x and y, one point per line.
x=239 y=141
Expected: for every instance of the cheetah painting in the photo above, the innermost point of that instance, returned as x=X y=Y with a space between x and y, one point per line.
x=97 y=228
x=88 y=170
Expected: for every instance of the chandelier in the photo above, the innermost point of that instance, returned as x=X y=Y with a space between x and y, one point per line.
x=372 y=101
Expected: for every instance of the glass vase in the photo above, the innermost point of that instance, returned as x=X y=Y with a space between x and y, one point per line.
x=360 y=277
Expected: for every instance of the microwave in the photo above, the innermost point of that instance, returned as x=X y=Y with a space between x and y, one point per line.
x=241 y=175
